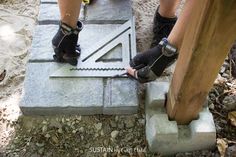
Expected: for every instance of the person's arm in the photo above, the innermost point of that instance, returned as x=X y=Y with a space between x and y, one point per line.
x=154 y=61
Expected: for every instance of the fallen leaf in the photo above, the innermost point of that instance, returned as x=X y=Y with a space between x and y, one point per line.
x=222 y=145
x=232 y=118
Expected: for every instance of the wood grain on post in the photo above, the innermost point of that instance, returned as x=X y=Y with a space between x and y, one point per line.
x=208 y=38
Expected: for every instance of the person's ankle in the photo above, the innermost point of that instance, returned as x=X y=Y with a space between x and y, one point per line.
x=70 y=23
x=166 y=14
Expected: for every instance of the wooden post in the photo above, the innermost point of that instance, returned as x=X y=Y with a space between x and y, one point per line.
x=208 y=38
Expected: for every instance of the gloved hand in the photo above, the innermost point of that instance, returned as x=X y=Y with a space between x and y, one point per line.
x=149 y=65
x=65 y=43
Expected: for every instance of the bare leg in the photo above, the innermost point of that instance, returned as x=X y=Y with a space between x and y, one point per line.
x=70 y=10
x=177 y=34
x=65 y=40
x=168 y=8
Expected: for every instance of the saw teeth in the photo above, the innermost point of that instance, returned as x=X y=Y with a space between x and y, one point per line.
x=97 y=69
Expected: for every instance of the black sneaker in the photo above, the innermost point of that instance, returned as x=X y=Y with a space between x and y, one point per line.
x=161 y=28
x=65 y=44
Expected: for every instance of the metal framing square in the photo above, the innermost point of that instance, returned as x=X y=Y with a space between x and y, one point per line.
x=90 y=66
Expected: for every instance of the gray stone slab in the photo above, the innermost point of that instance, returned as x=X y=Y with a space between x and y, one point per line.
x=41 y=49
x=50 y=12
x=43 y=95
x=46 y=96
x=120 y=96
x=109 y=10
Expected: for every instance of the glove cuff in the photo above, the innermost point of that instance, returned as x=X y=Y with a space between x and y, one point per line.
x=67 y=30
x=168 y=49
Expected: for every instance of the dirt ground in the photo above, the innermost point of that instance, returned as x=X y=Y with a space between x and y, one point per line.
x=87 y=135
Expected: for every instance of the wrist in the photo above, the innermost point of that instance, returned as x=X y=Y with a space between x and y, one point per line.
x=168 y=49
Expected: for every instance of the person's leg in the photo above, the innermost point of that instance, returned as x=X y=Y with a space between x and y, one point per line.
x=177 y=34
x=164 y=20
x=168 y=8
x=152 y=61
x=69 y=10
x=65 y=41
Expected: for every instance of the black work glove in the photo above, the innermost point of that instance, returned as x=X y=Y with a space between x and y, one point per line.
x=150 y=64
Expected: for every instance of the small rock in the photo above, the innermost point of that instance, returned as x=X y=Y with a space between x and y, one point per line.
x=211 y=106
x=230 y=102
x=222 y=70
x=60 y=130
x=79 y=118
x=74 y=131
x=129 y=137
x=114 y=134
x=96 y=135
x=82 y=137
x=105 y=142
x=55 y=123
x=113 y=124
x=106 y=129
x=102 y=133
x=116 y=118
x=227 y=72
x=40 y=144
x=55 y=139
x=47 y=136
x=41 y=150
x=121 y=125
x=98 y=126
x=81 y=129
x=141 y=121
x=225 y=75
x=44 y=122
x=63 y=120
x=44 y=128
x=129 y=122
x=87 y=146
